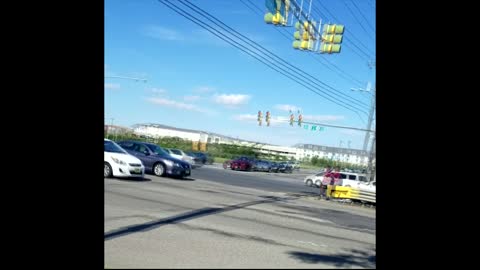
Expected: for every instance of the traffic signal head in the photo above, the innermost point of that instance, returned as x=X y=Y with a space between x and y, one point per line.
x=306 y=45
x=268 y=17
x=305 y=36
x=330 y=48
x=276 y=12
x=292 y=119
x=300 y=120
x=277 y=18
x=267 y=118
x=332 y=39
x=333 y=29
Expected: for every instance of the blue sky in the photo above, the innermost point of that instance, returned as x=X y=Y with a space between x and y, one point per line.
x=196 y=80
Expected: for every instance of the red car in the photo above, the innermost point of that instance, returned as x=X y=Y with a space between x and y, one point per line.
x=243 y=163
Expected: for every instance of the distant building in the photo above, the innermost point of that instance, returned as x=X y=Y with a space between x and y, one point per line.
x=298 y=151
x=354 y=156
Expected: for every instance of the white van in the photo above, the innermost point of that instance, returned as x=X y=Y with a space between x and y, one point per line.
x=347 y=179
x=352 y=179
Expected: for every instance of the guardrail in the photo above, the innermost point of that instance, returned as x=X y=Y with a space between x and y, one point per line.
x=340 y=192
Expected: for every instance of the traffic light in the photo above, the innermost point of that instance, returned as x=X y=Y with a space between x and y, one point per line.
x=304 y=39
x=292 y=119
x=277 y=11
x=267 y=118
x=259 y=118
x=332 y=38
x=300 y=120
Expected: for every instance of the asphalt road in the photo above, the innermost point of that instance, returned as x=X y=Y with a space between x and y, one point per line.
x=214 y=221
x=276 y=182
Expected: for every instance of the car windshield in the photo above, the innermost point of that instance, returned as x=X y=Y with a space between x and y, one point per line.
x=157 y=149
x=111 y=147
x=176 y=152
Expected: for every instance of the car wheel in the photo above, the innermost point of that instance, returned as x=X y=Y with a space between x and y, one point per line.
x=107 y=170
x=309 y=182
x=159 y=169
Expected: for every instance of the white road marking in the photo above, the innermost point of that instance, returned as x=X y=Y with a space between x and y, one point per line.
x=313 y=244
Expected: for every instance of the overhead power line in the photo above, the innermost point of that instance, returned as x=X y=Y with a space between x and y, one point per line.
x=361 y=13
x=248 y=51
x=339 y=71
x=350 y=34
x=358 y=21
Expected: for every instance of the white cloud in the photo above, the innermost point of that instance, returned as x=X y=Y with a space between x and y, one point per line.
x=286 y=107
x=191 y=98
x=112 y=86
x=158 y=90
x=324 y=118
x=162 y=33
x=231 y=99
x=177 y=105
x=203 y=89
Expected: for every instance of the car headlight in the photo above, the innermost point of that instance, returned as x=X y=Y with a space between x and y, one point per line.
x=177 y=165
x=118 y=161
x=169 y=163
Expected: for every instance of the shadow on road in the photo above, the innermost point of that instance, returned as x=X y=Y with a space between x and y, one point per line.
x=352 y=258
x=133 y=179
x=190 y=215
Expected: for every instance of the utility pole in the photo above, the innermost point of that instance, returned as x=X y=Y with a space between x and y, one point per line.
x=371 y=156
x=370 y=117
x=370 y=114
x=369 y=126
x=370 y=159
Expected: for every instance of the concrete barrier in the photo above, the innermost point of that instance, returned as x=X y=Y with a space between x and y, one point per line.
x=340 y=192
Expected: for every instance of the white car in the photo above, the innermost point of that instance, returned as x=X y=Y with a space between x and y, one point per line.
x=314 y=178
x=118 y=163
x=177 y=153
x=347 y=179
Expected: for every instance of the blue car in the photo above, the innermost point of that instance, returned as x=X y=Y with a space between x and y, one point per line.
x=156 y=160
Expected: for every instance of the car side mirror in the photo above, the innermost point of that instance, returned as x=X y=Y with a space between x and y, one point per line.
x=146 y=152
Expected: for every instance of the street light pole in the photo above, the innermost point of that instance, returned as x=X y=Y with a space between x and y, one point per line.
x=370 y=114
